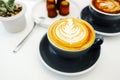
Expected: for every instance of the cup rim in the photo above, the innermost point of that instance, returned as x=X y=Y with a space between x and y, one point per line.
x=109 y=14
x=74 y=50
x=15 y=16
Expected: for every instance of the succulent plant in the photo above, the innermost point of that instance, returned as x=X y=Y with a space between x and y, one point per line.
x=7 y=8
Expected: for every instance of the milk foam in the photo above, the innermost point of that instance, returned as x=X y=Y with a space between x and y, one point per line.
x=70 y=32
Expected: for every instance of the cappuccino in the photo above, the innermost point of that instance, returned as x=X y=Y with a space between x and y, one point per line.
x=71 y=34
x=107 y=6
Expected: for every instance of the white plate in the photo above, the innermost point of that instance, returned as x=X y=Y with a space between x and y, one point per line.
x=40 y=10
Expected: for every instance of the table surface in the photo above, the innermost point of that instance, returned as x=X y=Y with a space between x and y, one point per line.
x=26 y=63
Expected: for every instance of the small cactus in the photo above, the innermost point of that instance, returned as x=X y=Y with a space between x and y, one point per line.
x=7 y=8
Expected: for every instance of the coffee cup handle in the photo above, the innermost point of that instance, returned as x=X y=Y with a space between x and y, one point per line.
x=98 y=41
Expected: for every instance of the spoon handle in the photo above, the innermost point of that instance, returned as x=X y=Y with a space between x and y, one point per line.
x=18 y=47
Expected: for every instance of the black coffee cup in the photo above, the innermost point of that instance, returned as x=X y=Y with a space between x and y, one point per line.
x=72 y=37
x=76 y=54
x=103 y=18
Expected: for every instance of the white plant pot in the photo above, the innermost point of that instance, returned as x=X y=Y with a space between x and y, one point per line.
x=15 y=23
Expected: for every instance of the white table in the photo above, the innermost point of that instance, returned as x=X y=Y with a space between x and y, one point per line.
x=26 y=64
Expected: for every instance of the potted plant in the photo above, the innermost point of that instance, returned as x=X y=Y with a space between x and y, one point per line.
x=12 y=15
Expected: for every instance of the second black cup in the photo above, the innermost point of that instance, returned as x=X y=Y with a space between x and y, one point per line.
x=104 y=14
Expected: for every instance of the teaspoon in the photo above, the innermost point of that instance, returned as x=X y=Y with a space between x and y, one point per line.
x=36 y=21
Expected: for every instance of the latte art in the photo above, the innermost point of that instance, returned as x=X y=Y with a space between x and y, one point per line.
x=71 y=34
x=108 y=6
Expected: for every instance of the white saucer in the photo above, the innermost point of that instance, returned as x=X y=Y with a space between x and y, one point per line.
x=40 y=10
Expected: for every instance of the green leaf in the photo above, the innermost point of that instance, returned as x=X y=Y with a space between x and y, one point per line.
x=11 y=3
x=3 y=10
x=2 y=3
x=6 y=7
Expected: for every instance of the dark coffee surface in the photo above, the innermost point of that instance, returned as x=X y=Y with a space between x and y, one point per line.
x=114 y=28
x=67 y=65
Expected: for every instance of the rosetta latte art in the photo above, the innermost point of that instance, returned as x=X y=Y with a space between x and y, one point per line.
x=71 y=34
